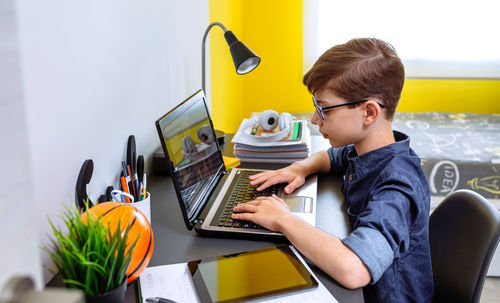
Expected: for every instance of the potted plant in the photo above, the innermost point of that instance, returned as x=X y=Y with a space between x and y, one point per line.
x=90 y=256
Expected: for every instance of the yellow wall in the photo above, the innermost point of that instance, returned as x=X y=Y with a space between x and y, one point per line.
x=226 y=85
x=273 y=29
x=451 y=95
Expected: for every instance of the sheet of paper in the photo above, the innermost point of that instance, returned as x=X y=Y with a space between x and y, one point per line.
x=168 y=281
x=174 y=282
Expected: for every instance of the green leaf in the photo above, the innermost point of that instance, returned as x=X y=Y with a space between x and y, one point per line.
x=88 y=254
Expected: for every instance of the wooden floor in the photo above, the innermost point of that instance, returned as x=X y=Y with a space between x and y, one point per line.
x=491 y=291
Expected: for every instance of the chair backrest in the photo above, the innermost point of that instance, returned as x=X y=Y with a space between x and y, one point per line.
x=463 y=232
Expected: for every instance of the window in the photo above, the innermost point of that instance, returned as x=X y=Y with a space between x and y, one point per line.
x=434 y=38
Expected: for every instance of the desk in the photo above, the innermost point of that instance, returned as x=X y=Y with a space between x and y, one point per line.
x=174 y=243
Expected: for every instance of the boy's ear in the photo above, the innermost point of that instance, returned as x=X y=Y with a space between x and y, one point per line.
x=372 y=112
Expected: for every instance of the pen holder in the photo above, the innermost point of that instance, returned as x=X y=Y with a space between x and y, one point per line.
x=144 y=206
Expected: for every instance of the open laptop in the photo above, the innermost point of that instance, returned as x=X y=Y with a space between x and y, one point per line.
x=205 y=191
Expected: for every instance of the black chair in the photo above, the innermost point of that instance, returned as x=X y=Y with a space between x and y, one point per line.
x=463 y=231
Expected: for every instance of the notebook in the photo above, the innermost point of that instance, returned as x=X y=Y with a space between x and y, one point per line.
x=206 y=192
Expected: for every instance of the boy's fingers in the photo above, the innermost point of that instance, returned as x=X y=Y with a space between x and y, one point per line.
x=260 y=179
x=267 y=184
x=292 y=186
x=262 y=175
x=256 y=176
x=245 y=207
x=242 y=216
x=273 y=181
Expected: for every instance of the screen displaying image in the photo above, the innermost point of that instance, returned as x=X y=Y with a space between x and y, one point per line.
x=192 y=149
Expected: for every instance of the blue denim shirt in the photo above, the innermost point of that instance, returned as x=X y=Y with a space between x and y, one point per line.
x=388 y=206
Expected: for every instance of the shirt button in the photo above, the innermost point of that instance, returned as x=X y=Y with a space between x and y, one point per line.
x=350 y=177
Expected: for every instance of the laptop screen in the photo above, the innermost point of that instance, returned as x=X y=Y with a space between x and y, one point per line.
x=189 y=141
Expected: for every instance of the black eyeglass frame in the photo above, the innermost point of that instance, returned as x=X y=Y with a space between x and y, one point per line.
x=321 y=110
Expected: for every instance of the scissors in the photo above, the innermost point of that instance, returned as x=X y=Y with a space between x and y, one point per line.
x=119 y=196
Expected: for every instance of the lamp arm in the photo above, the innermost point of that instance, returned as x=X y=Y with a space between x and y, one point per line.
x=203 y=51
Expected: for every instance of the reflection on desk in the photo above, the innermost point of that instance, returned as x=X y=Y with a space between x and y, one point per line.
x=174 y=243
x=174 y=281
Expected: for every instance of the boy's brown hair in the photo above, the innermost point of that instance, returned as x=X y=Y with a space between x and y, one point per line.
x=358 y=69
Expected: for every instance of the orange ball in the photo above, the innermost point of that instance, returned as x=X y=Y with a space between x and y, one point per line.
x=111 y=213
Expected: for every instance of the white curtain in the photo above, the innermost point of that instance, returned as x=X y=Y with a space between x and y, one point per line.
x=435 y=38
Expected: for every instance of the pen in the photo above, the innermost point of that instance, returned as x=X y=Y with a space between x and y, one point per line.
x=124 y=167
x=132 y=182
x=159 y=300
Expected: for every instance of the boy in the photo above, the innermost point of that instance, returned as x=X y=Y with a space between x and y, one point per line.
x=356 y=87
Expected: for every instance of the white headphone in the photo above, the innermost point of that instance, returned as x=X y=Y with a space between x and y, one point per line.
x=204 y=133
x=269 y=120
x=188 y=145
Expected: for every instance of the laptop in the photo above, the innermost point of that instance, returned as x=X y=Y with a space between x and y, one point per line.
x=206 y=192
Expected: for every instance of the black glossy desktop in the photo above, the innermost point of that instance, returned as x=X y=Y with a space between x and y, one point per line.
x=174 y=243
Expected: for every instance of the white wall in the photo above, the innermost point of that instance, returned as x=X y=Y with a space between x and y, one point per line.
x=95 y=72
x=18 y=236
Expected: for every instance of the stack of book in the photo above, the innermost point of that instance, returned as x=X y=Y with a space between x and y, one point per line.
x=253 y=144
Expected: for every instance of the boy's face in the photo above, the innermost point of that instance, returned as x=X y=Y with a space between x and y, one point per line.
x=342 y=125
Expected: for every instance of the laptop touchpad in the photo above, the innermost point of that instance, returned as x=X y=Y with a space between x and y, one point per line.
x=299 y=204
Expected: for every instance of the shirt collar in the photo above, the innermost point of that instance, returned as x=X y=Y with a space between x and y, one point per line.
x=380 y=155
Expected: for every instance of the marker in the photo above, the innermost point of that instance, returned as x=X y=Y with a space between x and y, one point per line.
x=132 y=182
x=125 y=188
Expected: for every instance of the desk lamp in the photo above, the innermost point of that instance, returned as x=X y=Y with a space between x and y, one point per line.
x=245 y=60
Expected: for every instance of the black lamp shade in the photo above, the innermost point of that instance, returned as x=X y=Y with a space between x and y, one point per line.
x=245 y=60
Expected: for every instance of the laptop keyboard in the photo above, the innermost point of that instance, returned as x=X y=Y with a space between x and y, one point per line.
x=190 y=193
x=244 y=192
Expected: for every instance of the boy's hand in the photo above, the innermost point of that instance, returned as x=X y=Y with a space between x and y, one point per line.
x=294 y=175
x=265 y=211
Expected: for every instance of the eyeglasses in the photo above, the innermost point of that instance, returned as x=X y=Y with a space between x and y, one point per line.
x=321 y=110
